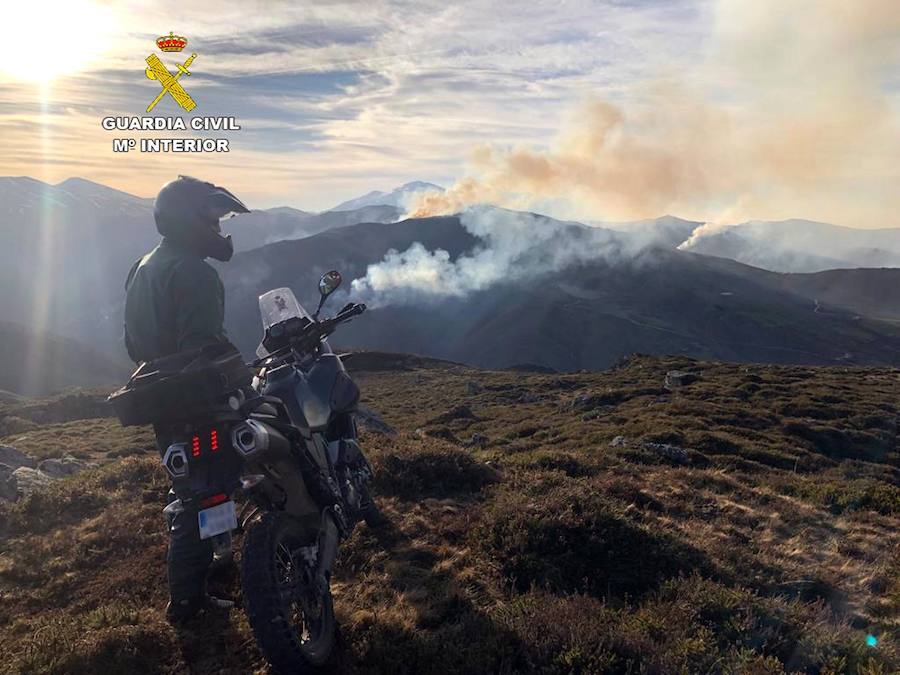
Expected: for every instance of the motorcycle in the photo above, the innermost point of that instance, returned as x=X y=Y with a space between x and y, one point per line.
x=287 y=448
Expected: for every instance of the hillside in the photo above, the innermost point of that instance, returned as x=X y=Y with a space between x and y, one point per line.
x=588 y=313
x=800 y=245
x=874 y=293
x=257 y=228
x=83 y=238
x=745 y=521
x=581 y=298
x=38 y=363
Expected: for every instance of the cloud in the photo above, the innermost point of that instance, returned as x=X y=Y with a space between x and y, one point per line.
x=789 y=116
x=714 y=110
x=430 y=81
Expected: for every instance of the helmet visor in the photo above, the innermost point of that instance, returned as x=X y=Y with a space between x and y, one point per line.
x=222 y=203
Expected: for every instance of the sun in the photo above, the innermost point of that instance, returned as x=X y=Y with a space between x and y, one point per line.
x=45 y=39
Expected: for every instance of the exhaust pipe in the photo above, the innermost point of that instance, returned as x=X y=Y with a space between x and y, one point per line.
x=252 y=439
x=175 y=461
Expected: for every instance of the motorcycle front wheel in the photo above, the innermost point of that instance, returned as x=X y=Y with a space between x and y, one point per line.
x=291 y=614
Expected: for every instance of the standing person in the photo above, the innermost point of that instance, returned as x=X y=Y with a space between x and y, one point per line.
x=175 y=302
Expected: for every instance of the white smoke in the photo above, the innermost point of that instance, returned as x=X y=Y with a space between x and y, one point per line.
x=701 y=231
x=513 y=246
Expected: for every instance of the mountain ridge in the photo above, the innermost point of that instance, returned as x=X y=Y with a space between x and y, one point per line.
x=396 y=197
x=658 y=301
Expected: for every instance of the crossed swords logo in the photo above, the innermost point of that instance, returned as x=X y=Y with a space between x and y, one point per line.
x=156 y=70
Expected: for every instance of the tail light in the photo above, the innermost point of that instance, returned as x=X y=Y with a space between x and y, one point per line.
x=203 y=442
x=213 y=501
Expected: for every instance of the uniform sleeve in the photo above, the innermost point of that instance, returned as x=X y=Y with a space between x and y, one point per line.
x=199 y=301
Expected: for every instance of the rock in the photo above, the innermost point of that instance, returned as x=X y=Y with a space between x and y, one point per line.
x=670 y=452
x=460 y=412
x=8 y=483
x=28 y=480
x=596 y=412
x=619 y=442
x=372 y=421
x=474 y=387
x=677 y=378
x=65 y=466
x=13 y=458
x=479 y=440
x=528 y=397
x=582 y=402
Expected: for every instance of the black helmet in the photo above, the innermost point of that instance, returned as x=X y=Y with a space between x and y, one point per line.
x=188 y=210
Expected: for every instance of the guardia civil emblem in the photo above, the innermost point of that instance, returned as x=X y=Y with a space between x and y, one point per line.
x=156 y=70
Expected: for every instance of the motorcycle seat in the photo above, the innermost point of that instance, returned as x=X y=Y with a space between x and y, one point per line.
x=266 y=410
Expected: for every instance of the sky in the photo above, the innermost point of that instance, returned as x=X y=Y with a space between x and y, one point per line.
x=718 y=110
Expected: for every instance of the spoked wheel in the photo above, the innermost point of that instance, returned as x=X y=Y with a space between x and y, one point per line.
x=290 y=612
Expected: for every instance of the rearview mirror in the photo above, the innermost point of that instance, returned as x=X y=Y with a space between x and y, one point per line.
x=328 y=284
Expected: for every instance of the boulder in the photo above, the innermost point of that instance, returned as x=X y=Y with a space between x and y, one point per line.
x=8 y=483
x=619 y=442
x=477 y=440
x=671 y=452
x=64 y=466
x=29 y=480
x=474 y=387
x=13 y=458
x=372 y=421
x=582 y=402
x=676 y=379
x=460 y=412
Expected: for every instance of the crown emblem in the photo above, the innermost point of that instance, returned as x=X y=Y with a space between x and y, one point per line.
x=171 y=42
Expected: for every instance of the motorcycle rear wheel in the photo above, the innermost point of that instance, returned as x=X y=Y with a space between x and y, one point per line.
x=291 y=617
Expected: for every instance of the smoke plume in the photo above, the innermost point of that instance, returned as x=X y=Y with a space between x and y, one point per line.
x=514 y=245
x=789 y=116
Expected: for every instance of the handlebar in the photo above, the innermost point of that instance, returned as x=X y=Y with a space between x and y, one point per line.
x=314 y=332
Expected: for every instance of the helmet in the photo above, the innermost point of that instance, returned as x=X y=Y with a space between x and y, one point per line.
x=187 y=211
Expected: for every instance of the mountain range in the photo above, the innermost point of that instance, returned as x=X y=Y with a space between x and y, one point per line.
x=586 y=315
x=659 y=286
x=398 y=197
x=799 y=245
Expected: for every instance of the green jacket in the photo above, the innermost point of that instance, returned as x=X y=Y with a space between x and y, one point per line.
x=174 y=301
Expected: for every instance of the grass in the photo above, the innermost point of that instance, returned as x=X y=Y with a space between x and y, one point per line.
x=540 y=548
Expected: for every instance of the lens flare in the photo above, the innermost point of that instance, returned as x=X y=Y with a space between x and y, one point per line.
x=45 y=39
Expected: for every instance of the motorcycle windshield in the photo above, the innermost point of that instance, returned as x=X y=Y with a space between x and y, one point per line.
x=278 y=305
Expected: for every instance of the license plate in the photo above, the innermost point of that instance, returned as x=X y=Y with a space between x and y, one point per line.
x=217 y=520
